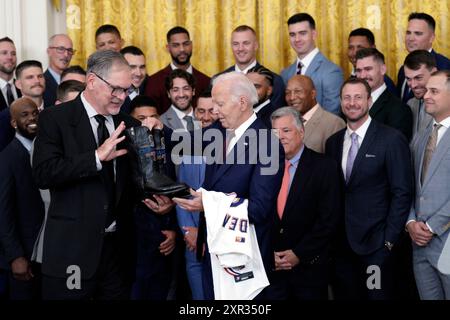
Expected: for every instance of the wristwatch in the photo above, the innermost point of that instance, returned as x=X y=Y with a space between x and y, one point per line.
x=388 y=245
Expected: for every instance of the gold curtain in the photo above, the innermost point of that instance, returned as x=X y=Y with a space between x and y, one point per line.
x=144 y=23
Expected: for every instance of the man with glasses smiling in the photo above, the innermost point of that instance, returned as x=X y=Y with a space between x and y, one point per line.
x=60 y=51
x=80 y=157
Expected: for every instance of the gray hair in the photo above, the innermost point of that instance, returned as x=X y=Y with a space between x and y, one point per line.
x=101 y=62
x=242 y=86
x=52 y=38
x=288 y=111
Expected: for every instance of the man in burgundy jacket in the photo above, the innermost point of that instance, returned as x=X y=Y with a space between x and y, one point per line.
x=179 y=46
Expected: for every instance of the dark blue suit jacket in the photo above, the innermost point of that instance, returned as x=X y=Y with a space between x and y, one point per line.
x=21 y=206
x=277 y=97
x=248 y=181
x=442 y=63
x=378 y=194
x=50 y=89
x=6 y=130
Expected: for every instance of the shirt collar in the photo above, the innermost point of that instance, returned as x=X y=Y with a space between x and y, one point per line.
x=295 y=159
x=361 y=131
x=239 y=131
x=3 y=82
x=445 y=123
x=306 y=61
x=377 y=93
x=189 y=69
x=180 y=114
x=262 y=105
x=91 y=111
x=55 y=75
x=308 y=115
x=27 y=143
x=251 y=65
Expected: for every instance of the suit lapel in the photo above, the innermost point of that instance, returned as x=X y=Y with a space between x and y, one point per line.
x=82 y=126
x=440 y=151
x=315 y=64
x=299 y=182
x=379 y=104
x=366 y=143
x=312 y=123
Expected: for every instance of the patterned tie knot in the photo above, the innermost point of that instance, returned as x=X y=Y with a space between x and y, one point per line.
x=354 y=137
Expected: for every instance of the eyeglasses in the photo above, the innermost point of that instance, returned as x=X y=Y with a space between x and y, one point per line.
x=117 y=91
x=62 y=50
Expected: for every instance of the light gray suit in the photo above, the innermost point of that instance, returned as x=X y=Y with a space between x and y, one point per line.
x=432 y=205
x=320 y=127
x=327 y=78
x=420 y=122
x=171 y=120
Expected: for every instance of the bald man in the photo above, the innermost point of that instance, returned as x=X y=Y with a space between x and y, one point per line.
x=60 y=51
x=21 y=206
x=319 y=124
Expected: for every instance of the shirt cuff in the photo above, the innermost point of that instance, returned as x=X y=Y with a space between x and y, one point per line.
x=408 y=222
x=431 y=230
x=97 y=161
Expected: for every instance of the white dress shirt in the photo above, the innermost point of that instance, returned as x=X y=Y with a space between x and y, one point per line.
x=361 y=133
x=306 y=61
x=239 y=131
x=251 y=65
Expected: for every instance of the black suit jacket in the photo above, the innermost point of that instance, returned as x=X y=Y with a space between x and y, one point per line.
x=265 y=113
x=3 y=103
x=277 y=97
x=442 y=63
x=50 y=89
x=64 y=162
x=378 y=194
x=6 y=130
x=311 y=215
x=391 y=111
x=21 y=206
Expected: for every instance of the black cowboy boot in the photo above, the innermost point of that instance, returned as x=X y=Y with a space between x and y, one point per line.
x=147 y=148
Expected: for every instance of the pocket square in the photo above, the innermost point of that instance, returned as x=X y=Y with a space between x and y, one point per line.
x=370 y=155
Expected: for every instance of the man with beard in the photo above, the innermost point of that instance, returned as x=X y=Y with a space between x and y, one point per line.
x=21 y=206
x=179 y=46
x=31 y=81
x=420 y=34
x=376 y=166
x=9 y=92
x=8 y=61
x=418 y=67
x=386 y=107
x=180 y=90
x=60 y=51
x=262 y=79
x=136 y=59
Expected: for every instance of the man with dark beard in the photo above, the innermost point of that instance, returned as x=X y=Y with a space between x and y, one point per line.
x=179 y=46
x=180 y=89
x=9 y=92
x=21 y=206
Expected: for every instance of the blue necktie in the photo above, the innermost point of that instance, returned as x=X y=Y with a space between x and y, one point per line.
x=352 y=152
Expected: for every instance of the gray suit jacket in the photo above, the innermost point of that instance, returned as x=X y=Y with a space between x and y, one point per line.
x=432 y=199
x=327 y=78
x=320 y=127
x=418 y=126
x=171 y=120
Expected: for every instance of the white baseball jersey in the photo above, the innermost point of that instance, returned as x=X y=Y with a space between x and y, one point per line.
x=237 y=267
